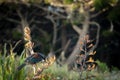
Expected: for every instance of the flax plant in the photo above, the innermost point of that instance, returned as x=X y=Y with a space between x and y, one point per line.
x=8 y=64
x=84 y=61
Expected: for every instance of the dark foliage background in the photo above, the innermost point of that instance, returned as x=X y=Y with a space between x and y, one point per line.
x=42 y=29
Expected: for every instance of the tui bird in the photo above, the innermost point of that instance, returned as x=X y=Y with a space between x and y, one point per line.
x=32 y=59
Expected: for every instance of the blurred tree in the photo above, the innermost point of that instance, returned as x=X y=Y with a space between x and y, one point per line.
x=58 y=25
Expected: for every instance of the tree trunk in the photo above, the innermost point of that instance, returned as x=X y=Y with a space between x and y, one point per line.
x=82 y=34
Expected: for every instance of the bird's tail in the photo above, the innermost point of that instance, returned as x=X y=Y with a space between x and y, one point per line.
x=21 y=66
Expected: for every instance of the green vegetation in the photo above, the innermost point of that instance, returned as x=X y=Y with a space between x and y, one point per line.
x=9 y=64
x=56 y=27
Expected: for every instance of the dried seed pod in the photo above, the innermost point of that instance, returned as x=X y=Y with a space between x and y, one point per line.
x=90 y=60
x=27 y=32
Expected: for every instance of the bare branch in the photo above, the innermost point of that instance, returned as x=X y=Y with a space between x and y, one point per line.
x=100 y=12
x=77 y=29
x=19 y=13
x=76 y=50
x=54 y=29
x=32 y=20
x=13 y=20
x=53 y=12
x=44 y=33
x=23 y=19
x=66 y=47
x=16 y=45
x=57 y=50
x=111 y=26
x=97 y=36
x=62 y=56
